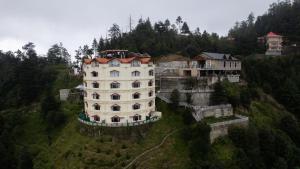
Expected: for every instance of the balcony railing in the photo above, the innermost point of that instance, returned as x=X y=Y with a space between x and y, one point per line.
x=85 y=120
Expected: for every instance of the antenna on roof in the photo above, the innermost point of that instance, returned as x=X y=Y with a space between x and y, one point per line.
x=130 y=23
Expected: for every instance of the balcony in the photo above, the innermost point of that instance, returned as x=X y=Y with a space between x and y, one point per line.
x=82 y=118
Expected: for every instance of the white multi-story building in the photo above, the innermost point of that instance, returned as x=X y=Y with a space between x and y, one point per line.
x=274 y=44
x=119 y=88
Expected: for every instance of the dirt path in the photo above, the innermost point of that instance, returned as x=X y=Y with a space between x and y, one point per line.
x=149 y=150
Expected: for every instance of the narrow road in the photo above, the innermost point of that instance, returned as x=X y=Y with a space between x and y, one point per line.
x=148 y=151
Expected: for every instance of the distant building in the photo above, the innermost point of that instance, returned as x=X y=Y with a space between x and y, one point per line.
x=274 y=44
x=207 y=66
x=193 y=78
x=119 y=88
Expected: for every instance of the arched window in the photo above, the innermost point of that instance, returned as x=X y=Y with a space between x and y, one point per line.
x=135 y=73
x=150 y=83
x=94 y=74
x=114 y=73
x=84 y=74
x=115 y=96
x=84 y=93
x=115 y=107
x=114 y=63
x=135 y=63
x=150 y=94
x=85 y=84
x=115 y=119
x=136 y=84
x=137 y=117
x=114 y=85
x=96 y=118
x=150 y=104
x=136 y=106
x=151 y=72
x=96 y=106
x=96 y=96
x=95 y=85
x=136 y=95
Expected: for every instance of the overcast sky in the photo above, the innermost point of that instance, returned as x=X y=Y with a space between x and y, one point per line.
x=77 y=22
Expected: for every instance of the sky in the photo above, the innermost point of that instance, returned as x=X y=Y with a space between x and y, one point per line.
x=78 y=22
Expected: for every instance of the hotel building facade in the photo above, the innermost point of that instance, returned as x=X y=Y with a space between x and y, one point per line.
x=119 y=88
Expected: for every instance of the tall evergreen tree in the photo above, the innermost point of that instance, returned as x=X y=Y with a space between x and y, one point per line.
x=185 y=28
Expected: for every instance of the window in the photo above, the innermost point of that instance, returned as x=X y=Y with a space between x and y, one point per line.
x=136 y=106
x=84 y=93
x=115 y=96
x=150 y=93
x=114 y=63
x=115 y=119
x=150 y=103
x=96 y=106
x=136 y=84
x=114 y=85
x=95 y=85
x=86 y=104
x=115 y=107
x=84 y=74
x=135 y=63
x=85 y=84
x=94 y=74
x=135 y=74
x=151 y=72
x=96 y=118
x=114 y=73
x=230 y=64
x=136 y=95
x=137 y=117
x=95 y=64
x=224 y=64
x=234 y=64
x=150 y=83
x=96 y=96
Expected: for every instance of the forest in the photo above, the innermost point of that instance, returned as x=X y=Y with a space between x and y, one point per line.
x=164 y=37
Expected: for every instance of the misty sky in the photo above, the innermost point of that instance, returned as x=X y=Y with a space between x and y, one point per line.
x=77 y=22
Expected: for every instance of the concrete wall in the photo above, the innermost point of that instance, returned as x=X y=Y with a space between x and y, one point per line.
x=221 y=129
x=64 y=94
x=199 y=98
x=212 y=111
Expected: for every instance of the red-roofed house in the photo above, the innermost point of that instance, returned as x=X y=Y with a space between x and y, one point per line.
x=274 y=44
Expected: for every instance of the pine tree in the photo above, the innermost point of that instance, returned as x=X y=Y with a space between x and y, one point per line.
x=185 y=28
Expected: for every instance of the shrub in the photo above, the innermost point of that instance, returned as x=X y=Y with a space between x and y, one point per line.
x=175 y=98
x=118 y=154
x=124 y=146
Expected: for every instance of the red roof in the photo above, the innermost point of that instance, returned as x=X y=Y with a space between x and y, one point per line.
x=272 y=34
x=144 y=60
